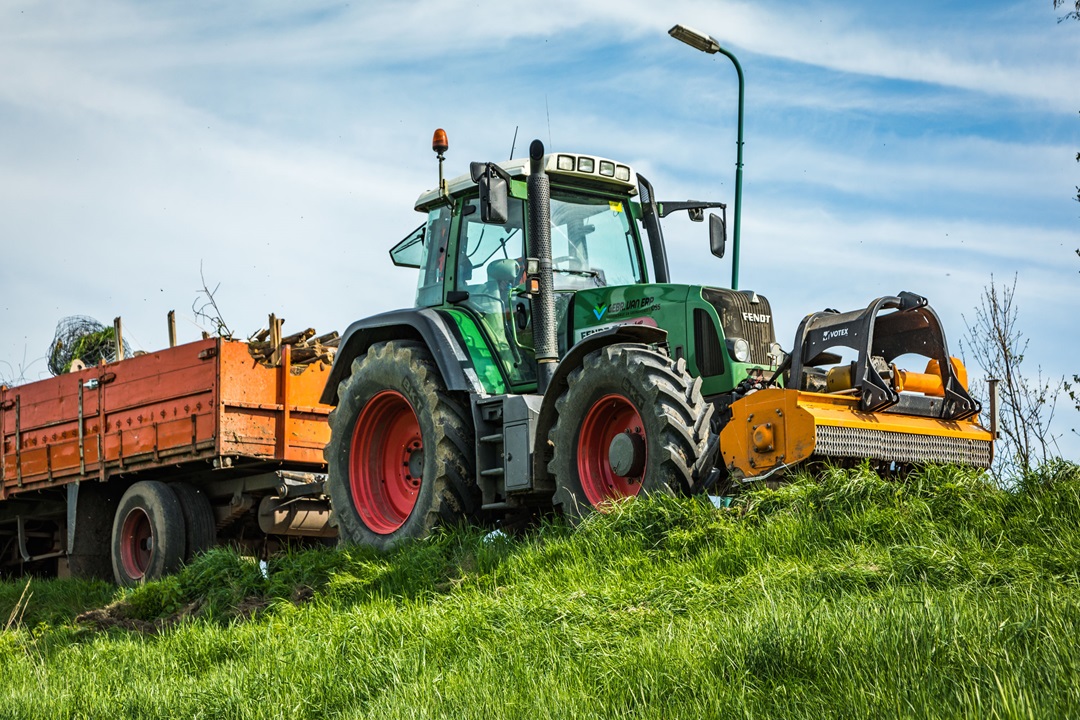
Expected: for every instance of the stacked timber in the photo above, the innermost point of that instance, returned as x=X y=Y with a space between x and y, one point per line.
x=267 y=346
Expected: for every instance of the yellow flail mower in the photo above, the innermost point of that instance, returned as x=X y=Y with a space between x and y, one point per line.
x=844 y=399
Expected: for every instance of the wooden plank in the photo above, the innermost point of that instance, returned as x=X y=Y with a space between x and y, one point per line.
x=172 y=328
x=296 y=338
x=275 y=338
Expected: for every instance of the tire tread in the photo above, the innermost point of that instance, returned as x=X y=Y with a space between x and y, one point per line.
x=455 y=496
x=673 y=397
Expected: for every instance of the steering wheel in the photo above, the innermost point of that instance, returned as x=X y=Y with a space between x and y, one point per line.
x=488 y=297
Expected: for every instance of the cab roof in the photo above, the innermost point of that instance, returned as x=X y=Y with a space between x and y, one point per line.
x=620 y=176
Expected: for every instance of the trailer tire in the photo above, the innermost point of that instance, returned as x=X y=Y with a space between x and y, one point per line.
x=631 y=420
x=401 y=451
x=148 y=535
x=199 y=521
x=90 y=557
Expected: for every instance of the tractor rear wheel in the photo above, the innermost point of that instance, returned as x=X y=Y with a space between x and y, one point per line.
x=149 y=535
x=631 y=421
x=401 y=449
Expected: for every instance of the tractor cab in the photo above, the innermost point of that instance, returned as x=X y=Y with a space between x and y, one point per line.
x=473 y=255
x=475 y=266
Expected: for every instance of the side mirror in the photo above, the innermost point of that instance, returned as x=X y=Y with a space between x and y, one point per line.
x=494 y=192
x=717 y=234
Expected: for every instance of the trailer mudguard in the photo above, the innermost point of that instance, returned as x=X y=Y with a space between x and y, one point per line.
x=426 y=325
x=572 y=360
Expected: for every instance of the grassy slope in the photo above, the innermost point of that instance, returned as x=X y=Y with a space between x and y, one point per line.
x=847 y=597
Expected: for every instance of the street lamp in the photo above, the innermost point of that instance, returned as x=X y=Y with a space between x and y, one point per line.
x=709 y=45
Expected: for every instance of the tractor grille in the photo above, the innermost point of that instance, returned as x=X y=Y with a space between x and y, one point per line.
x=707 y=348
x=900 y=447
x=741 y=317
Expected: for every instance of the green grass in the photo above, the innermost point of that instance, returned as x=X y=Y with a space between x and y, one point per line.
x=847 y=596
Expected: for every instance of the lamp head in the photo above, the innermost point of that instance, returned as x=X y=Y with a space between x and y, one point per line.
x=695 y=39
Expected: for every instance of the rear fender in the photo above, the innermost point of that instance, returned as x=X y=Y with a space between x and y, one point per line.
x=426 y=325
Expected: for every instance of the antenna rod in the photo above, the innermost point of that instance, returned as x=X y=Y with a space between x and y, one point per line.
x=547 y=110
x=513 y=143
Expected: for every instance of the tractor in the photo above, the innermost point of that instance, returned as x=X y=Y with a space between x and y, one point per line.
x=550 y=362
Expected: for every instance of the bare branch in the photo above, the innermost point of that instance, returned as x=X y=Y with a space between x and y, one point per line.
x=1028 y=403
x=208 y=310
x=1072 y=14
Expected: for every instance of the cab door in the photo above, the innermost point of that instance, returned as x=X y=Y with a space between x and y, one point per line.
x=489 y=266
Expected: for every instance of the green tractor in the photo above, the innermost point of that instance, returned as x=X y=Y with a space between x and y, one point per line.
x=545 y=362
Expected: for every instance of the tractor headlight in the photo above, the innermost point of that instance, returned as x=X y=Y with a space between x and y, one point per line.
x=739 y=349
x=777 y=356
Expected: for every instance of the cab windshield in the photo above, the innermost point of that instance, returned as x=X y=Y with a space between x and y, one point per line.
x=592 y=242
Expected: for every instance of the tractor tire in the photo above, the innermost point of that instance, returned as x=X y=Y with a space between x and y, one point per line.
x=401 y=451
x=199 y=520
x=631 y=421
x=148 y=535
x=90 y=556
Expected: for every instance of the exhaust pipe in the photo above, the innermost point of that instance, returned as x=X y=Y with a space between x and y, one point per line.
x=547 y=346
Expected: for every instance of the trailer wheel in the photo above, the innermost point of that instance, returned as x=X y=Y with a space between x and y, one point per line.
x=401 y=449
x=632 y=420
x=94 y=512
x=149 y=533
x=199 y=519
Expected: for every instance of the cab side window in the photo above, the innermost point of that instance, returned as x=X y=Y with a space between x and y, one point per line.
x=488 y=254
x=433 y=258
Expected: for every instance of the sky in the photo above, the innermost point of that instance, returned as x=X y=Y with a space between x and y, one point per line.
x=275 y=150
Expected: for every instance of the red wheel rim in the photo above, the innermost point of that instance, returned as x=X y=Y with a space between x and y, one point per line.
x=136 y=543
x=609 y=416
x=386 y=462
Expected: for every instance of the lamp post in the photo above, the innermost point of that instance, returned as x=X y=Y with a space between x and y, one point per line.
x=709 y=45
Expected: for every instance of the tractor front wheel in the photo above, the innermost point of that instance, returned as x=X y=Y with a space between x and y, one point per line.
x=401 y=450
x=632 y=420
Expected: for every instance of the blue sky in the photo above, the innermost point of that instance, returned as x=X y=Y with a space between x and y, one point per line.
x=922 y=146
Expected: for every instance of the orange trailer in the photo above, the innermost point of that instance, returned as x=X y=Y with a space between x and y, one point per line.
x=202 y=435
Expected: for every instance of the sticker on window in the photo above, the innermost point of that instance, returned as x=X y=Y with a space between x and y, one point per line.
x=616 y=207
